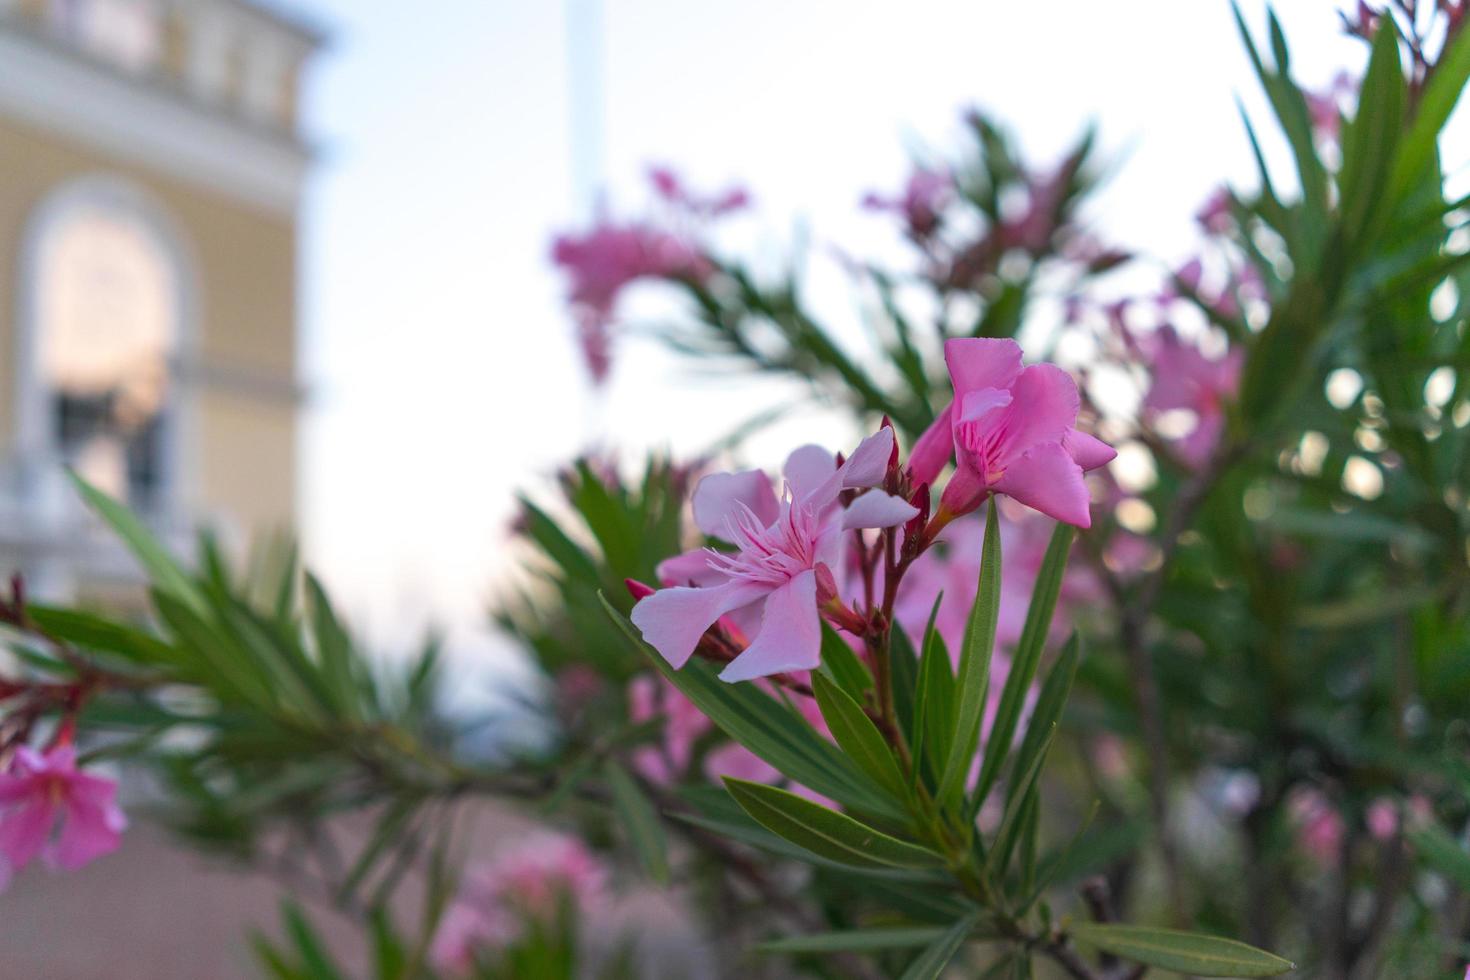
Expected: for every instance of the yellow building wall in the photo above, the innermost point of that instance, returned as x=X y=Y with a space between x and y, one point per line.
x=240 y=460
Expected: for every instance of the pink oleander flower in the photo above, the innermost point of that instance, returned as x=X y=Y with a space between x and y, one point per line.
x=1319 y=827
x=1034 y=228
x=768 y=585
x=530 y=880
x=650 y=697
x=1325 y=107
x=1215 y=216
x=603 y=262
x=1012 y=431
x=671 y=187
x=684 y=725
x=921 y=204
x=42 y=791
x=1182 y=377
x=1382 y=819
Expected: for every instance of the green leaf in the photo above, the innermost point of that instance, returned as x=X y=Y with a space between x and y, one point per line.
x=1044 y=595
x=824 y=832
x=973 y=681
x=936 y=956
x=640 y=820
x=1369 y=142
x=1053 y=863
x=934 y=724
x=1443 y=853
x=98 y=634
x=858 y=736
x=1016 y=805
x=333 y=648
x=1436 y=104
x=769 y=729
x=1049 y=704
x=1183 y=952
x=314 y=959
x=163 y=571
x=855 y=940
x=903 y=669
x=842 y=665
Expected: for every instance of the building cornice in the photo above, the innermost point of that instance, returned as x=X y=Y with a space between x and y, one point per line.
x=69 y=94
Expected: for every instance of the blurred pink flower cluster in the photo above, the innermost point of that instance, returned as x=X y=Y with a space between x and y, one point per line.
x=533 y=880
x=667 y=761
x=51 y=809
x=601 y=262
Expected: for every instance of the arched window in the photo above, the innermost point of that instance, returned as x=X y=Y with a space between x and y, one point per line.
x=104 y=314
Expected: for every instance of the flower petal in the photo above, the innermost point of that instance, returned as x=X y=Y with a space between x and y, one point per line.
x=1089 y=451
x=673 y=620
x=790 y=636
x=24 y=831
x=90 y=831
x=1047 y=479
x=869 y=461
x=965 y=490
x=1043 y=409
x=692 y=567
x=981 y=362
x=719 y=497
x=934 y=448
x=877 y=509
x=807 y=468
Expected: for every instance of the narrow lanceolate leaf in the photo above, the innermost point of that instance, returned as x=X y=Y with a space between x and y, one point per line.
x=855 y=941
x=163 y=571
x=1011 y=822
x=1183 y=952
x=936 y=956
x=973 y=681
x=842 y=665
x=858 y=736
x=640 y=821
x=1049 y=704
x=768 y=728
x=1442 y=853
x=934 y=720
x=1028 y=655
x=1436 y=104
x=825 y=832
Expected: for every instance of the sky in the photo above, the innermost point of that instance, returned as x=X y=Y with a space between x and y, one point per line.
x=439 y=358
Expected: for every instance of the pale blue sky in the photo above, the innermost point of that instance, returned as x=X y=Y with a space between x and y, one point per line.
x=443 y=372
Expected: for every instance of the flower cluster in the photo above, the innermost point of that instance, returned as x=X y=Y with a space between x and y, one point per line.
x=1010 y=429
x=603 y=261
x=51 y=809
x=534 y=881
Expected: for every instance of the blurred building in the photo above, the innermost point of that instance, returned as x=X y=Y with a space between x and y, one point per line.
x=151 y=173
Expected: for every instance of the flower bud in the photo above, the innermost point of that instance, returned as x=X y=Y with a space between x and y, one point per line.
x=637 y=589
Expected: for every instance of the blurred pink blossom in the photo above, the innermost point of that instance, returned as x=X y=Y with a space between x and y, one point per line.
x=671 y=188
x=921 y=204
x=650 y=697
x=1215 y=216
x=42 y=791
x=601 y=263
x=1182 y=377
x=528 y=880
x=1382 y=819
x=1319 y=827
